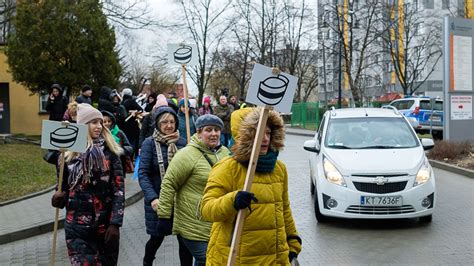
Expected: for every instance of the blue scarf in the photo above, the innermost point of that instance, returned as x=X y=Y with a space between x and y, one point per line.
x=266 y=163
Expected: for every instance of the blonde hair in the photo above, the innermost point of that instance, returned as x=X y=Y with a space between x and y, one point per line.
x=113 y=146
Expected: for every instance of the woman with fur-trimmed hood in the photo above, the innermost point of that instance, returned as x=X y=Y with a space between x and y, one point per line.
x=269 y=235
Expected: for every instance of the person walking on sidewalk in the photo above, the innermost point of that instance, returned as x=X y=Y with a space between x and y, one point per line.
x=93 y=194
x=184 y=184
x=269 y=235
x=121 y=139
x=224 y=110
x=86 y=95
x=156 y=154
x=57 y=103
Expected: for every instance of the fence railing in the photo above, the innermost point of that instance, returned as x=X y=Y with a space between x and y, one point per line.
x=305 y=115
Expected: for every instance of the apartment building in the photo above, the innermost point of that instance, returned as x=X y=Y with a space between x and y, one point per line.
x=382 y=46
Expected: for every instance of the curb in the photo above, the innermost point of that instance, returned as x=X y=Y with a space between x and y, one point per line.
x=47 y=227
x=4 y=203
x=452 y=168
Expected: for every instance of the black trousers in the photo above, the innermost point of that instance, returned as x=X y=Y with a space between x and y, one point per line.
x=154 y=243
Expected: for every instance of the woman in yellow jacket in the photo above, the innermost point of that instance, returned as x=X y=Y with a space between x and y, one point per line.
x=269 y=235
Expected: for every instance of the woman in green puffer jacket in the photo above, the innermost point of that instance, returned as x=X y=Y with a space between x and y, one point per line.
x=183 y=185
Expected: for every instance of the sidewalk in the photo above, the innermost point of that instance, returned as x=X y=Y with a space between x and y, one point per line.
x=300 y=132
x=35 y=215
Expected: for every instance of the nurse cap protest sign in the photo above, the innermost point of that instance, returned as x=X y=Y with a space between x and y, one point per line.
x=182 y=54
x=268 y=89
x=60 y=135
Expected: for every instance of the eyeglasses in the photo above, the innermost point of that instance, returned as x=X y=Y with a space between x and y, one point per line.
x=167 y=122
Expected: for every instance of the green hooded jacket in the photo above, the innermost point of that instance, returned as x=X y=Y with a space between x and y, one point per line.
x=183 y=186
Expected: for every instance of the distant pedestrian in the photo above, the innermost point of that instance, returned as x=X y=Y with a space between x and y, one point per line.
x=130 y=127
x=57 y=103
x=224 y=110
x=184 y=182
x=148 y=123
x=233 y=101
x=182 y=120
x=151 y=102
x=156 y=154
x=86 y=95
x=121 y=139
x=71 y=113
x=269 y=235
x=93 y=194
x=206 y=107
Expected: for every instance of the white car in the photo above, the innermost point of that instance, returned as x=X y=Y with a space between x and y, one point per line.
x=368 y=163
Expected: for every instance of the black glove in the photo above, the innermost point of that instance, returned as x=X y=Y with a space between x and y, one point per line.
x=59 y=199
x=165 y=226
x=243 y=200
x=112 y=234
x=292 y=255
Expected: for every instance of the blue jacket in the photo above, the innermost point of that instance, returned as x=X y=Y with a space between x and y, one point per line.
x=182 y=124
x=150 y=179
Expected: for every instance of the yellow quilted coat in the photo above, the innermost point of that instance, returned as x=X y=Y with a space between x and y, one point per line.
x=269 y=232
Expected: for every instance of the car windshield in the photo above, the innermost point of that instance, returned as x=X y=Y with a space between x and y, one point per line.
x=370 y=133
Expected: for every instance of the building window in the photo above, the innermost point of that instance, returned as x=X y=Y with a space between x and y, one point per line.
x=43 y=100
x=445 y=4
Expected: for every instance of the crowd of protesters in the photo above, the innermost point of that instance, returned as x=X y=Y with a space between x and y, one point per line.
x=192 y=185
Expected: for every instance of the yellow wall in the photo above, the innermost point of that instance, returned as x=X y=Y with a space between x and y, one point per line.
x=25 y=117
x=469 y=9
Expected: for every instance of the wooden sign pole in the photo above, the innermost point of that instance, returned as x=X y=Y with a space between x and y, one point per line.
x=56 y=218
x=186 y=107
x=262 y=123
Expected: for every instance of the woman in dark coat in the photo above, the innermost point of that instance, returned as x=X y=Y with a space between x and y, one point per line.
x=165 y=142
x=93 y=194
x=57 y=103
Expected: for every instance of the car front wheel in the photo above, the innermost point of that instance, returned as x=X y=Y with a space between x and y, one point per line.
x=319 y=217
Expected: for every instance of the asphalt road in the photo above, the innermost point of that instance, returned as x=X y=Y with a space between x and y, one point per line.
x=449 y=239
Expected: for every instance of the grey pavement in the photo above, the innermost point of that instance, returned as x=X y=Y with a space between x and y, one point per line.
x=35 y=215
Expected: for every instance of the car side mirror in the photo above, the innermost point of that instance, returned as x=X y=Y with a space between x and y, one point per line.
x=427 y=144
x=312 y=146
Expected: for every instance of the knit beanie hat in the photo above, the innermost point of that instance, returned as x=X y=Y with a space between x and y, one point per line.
x=86 y=88
x=181 y=103
x=206 y=99
x=209 y=120
x=192 y=103
x=160 y=101
x=87 y=113
x=127 y=91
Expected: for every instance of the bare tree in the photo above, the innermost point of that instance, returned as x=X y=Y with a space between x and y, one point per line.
x=413 y=43
x=294 y=60
x=206 y=24
x=357 y=25
x=266 y=19
x=7 y=9
x=129 y=14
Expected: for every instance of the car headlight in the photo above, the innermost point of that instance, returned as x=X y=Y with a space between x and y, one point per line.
x=332 y=174
x=424 y=174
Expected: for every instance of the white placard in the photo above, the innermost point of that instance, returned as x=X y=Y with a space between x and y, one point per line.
x=182 y=54
x=60 y=135
x=461 y=107
x=267 y=89
x=462 y=63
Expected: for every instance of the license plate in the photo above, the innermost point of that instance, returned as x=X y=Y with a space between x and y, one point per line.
x=436 y=118
x=381 y=200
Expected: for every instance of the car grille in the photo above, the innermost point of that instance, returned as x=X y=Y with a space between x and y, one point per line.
x=379 y=210
x=380 y=189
